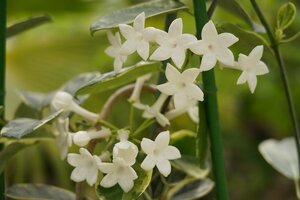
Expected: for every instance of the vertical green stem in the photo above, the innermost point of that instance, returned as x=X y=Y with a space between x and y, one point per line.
x=2 y=76
x=211 y=110
x=201 y=142
x=283 y=74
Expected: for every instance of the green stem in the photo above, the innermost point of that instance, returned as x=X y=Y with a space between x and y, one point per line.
x=283 y=74
x=201 y=142
x=2 y=77
x=211 y=110
x=131 y=118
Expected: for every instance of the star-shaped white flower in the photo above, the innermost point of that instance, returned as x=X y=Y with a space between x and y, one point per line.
x=137 y=37
x=214 y=47
x=114 y=50
x=159 y=152
x=118 y=173
x=181 y=86
x=82 y=138
x=86 y=166
x=172 y=44
x=251 y=67
x=125 y=150
x=64 y=137
x=155 y=111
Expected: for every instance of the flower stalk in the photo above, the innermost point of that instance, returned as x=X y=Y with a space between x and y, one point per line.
x=2 y=78
x=284 y=78
x=211 y=111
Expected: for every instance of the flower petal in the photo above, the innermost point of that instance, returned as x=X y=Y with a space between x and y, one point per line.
x=178 y=57
x=79 y=174
x=147 y=146
x=126 y=184
x=107 y=168
x=109 y=180
x=143 y=49
x=190 y=75
x=200 y=47
x=111 y=38
x=127 y=31
x=74 y=159
x=227 y=39
x=162 y=140
x=139 y=22
x=175 y=29
x=161 y=53
x=148 y=163
x=150 y=34
x=261 y=68
x=180 y=100
x=162 y=120
x=194 y=92
x=225 y=56
x=164 y=167
x=208 y=62
x=167 y=88
x=257 y=52
x=252 y=81
x=242 y=79
x=172 y=74
x=209 y=32
x=185 y=40
x=128 y=47
x=92 y=176
x=171 y=153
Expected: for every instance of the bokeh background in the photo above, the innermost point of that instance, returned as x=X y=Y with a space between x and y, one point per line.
x=44 y=58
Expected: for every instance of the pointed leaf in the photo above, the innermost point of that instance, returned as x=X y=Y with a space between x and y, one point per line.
x=26 y=25
x=112 y=80
x=286 y=15
x=38 y=191
x=127 y=15
x=36 y=100
x=19 y=127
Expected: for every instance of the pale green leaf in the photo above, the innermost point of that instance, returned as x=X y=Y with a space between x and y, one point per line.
x=282 y=155
x=194 y=190
x=38 y=191
x=26 y=25
x=127 y=15
x=190 y=166
x=19 y=127
x=286 y=15
x=36 y=100
x=112 y=80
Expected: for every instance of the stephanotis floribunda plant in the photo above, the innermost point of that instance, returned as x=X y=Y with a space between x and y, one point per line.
x=144 y=158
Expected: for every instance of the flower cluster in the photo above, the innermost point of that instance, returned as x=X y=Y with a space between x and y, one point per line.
x=173 y=45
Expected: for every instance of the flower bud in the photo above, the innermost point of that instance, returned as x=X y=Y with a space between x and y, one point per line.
x=81 y=138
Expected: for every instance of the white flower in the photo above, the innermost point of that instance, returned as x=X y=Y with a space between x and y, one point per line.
x=135 y=96
x=191 y=108
x=125 y=150
x=86 y=166
x=82 y=138
x=159 y=152
x=115 y=50
x=118 y=173
x=181 y=86
x=172 y=44
x=65 y=101
x=251 y=67
x=214 y=47
x=136 y=37
x=155 y=111
x=64 y=137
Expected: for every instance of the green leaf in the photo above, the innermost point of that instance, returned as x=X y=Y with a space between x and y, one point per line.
x=28 y=141
x=194 y=190
x=36 y=100
x=127 y=15
x=286 y=15
x=140 y=185
x=112 y=80
x=189 y=165
x=38 y=191
x=19 y=127
x=26 y=25
x=290 y=39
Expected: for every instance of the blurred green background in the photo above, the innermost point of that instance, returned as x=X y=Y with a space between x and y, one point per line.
x=44 y=58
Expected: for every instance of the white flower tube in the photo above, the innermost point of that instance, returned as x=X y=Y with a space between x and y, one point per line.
x=65 y=101
x=82 y=138
x=135 y=96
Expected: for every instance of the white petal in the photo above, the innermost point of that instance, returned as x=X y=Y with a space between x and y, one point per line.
x=200 y=47
x=79 y=174
x=242 y=79
x=127 y=31
x=128 y=47
x=143 y=49
x=227 y=39
x=252 y=81
x=175 y=29
x=107 y=168
x=74 y=159
x=167 y=88
x=180 y=99
x=139 y=22
x=178 y=57
x=148 y=163
x=161 y=53
x=208 y=62
x=162 y=120
x=109 y=180
x=118 y=63
x=85 y=153
x=261 y=68
x=161 y=37
x=209 y=32
x=111 y=38
x=111 y=51
x=257 y=53
x=126 y=184
x=147 y=146
x=172 y=74
x=194 y=92
x=171 y=153
x=164 y=167
x=185 y=40
x=190 y=75
x=225 y=56
x=92 y=176
x=150 y=34
x=162 y=140
x=130 y=173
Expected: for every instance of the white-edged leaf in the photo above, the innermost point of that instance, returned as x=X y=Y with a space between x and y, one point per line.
x=112 y=80
x=20 y=127
x=282 y=155
x=38 y=191
x=127 y=15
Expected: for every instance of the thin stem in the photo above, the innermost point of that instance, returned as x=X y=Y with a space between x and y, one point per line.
x=201 y=142
x=212 y=8
x=211 y=111
x=283 y=74
x=79 y=190
x=2 y=79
